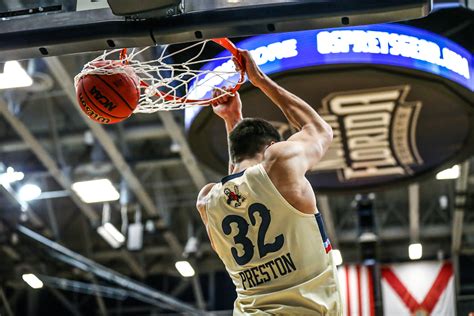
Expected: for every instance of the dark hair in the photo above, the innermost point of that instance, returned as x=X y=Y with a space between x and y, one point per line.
x=249 y=138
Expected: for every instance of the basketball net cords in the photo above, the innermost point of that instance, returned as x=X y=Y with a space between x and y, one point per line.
x=168 y=86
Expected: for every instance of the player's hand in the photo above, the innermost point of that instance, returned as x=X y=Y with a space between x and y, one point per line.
x=226 y=106
x=255 y=75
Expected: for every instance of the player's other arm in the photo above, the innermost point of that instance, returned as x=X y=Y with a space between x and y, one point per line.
x=201 y=206
x=229 y=108
x=314 y=135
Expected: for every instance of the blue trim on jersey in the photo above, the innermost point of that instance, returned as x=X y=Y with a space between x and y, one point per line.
x=322 y=231
x=232 y=176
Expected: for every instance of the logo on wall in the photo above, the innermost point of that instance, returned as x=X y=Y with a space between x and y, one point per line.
x=374 y=133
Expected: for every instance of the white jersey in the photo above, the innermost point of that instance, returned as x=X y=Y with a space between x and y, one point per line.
x=277 y=256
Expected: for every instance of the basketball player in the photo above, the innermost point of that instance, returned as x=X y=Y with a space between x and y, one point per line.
x=262 y=219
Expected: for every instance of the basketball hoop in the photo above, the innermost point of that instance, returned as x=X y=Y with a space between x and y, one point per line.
x=166 y=85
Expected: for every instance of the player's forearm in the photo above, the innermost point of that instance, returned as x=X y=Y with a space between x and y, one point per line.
x=297 y=111
x=230 y=123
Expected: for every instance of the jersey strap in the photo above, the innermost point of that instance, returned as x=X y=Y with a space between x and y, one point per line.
x=322 y=231
x=232 y=176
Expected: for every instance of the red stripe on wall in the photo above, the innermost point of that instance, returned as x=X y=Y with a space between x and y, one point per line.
x=400 y=289
x=348 y=291
x=438 y=287
x=359 y=291
x=371 y=291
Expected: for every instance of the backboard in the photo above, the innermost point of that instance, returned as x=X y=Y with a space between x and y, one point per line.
x=42 y=28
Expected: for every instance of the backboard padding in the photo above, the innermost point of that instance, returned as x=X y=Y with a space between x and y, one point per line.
x=67 y=31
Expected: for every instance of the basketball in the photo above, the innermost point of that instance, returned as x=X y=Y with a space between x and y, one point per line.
x=108 y=99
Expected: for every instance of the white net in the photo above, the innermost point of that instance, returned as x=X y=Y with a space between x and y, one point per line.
x=168 y=82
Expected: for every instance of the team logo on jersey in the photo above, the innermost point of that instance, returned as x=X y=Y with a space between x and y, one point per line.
x=234 y=198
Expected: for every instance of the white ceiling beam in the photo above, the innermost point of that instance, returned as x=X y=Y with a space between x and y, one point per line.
x=459 y=206
x=414 y=211
x=46 y=159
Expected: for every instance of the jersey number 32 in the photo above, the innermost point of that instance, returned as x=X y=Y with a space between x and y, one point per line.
x=243 y=228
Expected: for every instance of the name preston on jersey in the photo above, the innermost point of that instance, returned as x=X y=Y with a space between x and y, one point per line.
x=268 y=271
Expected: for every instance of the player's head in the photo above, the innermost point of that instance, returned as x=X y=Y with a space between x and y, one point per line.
x=250 y=137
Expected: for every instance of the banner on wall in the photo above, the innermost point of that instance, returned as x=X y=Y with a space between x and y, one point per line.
x=356 y=287
x=419 y=288
x=384 y=44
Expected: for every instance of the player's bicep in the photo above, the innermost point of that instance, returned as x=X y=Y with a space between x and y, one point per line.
x=201 y=207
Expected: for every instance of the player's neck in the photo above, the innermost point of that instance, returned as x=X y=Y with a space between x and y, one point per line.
x=247 y=163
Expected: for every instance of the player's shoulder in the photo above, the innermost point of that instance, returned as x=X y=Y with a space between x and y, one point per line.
x=285 y=162
x=282 y=150
x=203 y=194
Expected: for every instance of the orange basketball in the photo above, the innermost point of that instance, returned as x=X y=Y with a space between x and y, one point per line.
x=108 y=99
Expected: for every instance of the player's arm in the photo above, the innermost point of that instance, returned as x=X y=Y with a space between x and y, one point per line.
x=314 y=135
x=201 y=206
x=229 y=108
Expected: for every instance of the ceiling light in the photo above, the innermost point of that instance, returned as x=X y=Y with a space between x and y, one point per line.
x=415 y=251
x=32 y=280
x=336 y=257
x=29 y=192
x=443 y=202
x=192 y=246
x=184 y=268
x=108 y=231
x=175 y=147
x=368 y=237
x=14 y=76
x=135 y=236
x=111 y=235
x=11 y=176
x=451 y=173
x=101 y=190
x=369 y=262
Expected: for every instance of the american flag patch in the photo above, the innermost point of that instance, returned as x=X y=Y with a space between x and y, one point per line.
x=327 y=245
x=322 y=231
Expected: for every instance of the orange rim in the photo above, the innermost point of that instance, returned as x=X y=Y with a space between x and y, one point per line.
x=224 y=42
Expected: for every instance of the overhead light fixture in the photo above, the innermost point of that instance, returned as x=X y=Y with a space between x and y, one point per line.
x=175 y=147
x=14 y=76
x=108 y=231
x=29 y=192
x=443 y=202
x=369 y=262
x=336 y=257
x=415 y=251
x=11 y=176
x=185 y=268
x=94 y=191
x=451 y=173
x=32 y=280
x=135 y=237
x=111 y=235
x=135 y=231
x=191 y=247
x=368 y=237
